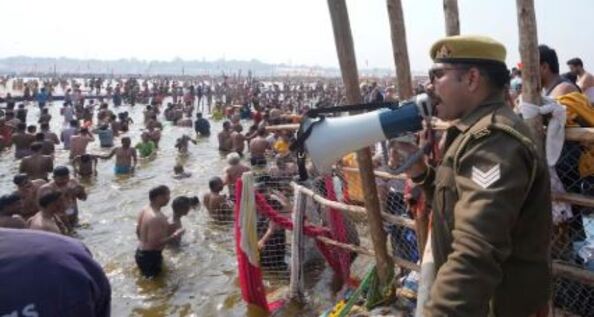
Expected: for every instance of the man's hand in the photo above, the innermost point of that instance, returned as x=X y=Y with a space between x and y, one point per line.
x=417 y=168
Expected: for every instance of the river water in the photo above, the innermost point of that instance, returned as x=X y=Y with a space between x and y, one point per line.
x=200 y=278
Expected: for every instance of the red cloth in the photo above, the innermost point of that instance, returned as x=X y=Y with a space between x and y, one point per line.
x=250 y=277
x=339 y=231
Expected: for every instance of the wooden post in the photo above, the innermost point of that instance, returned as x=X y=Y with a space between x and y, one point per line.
x=452 y=19
x=530 y=64
x=350 y=77
x=296 y=285
x=398 y=31
x=405 y=91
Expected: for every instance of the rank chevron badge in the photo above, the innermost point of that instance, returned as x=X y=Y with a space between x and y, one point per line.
x=487 y=178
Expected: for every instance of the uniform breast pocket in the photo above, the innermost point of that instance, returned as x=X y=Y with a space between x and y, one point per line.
x=445 y=196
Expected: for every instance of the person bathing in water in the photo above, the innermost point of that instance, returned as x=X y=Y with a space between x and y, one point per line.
x=125 y=157
x=181 y=205
x=153 y=233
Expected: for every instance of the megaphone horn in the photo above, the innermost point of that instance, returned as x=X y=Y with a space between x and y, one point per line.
x=330 y=139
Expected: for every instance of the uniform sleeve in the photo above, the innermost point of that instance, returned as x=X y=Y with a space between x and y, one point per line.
x=492 y=180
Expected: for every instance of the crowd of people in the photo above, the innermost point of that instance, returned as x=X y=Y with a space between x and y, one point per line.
x=47 y=192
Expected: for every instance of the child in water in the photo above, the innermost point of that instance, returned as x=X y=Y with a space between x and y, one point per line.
x=181 y=206
x=182 y=143
x=219 y=207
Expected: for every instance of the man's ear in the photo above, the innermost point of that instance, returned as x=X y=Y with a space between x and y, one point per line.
x=473 y=78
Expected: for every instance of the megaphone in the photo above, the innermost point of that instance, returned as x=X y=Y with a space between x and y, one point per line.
x=332 y=138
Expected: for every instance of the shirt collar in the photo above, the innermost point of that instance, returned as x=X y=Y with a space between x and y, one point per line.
x=464 y=123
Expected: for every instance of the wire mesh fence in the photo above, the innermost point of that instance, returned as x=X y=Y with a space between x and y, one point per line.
x=573 y=228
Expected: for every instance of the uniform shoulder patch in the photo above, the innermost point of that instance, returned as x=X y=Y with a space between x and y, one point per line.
x=486 y=178
x=481 y=133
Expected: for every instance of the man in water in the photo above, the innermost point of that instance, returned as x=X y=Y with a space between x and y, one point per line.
x=11 y=207
x=152 y=231
x=125 y=157
x=585 y=80
x=182 y=144
x=79 y=142
x=105 y=135
x=76 y=286
x=218 y=206
x=27 y=190
x=147 y=147
x=52 y=206
x=85 y=165
x=72 y=191
x=238 y=139
x=49 y=135
x=22 y=141
x=37 y=165
x=258 y=147
x=181 y=205
x=68 y=132
x=234 y=171
x=201 y=125
x=225 y=142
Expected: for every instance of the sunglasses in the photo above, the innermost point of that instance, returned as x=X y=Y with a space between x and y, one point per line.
x=437 y=73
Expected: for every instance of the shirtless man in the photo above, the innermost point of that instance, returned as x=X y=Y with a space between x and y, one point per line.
x=22 y=141
x=27 y=190
x=5 y=133
x=182 y=144
x=11 y=206
x=85 y=165
x=52 y=205
x=585 y=80
x=37 y=165
x=47 y=146
x=154 y=134
x=283 y=168
x=233 y=172
x=225 y=142
x=553 y=85
x=181 y=205
x=258 y=147
x=238 y=140
x=185 y=122
x=125 y=157
x=218 y=206
x=79 y=142
x=153 y=234
x=49 y=135
x=72 y=191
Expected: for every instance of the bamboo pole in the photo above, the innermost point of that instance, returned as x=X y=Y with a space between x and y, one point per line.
x=404 y=84
x=358 y=212
x=350 y=77
x=452 y=20
x=400 y=49
x=296 y=285
x=531 y=65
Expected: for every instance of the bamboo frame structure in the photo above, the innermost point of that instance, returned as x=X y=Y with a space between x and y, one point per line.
x=350 y=77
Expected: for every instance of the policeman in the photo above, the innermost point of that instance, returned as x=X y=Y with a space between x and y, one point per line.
x=491 y=220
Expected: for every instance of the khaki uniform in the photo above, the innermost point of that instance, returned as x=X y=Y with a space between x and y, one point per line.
x=491 y=223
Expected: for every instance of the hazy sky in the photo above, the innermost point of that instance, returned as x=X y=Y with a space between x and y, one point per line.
x=275 y=31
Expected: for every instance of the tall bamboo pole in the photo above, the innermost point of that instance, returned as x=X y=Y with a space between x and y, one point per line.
x=530 y=64
x=452 y=20
x=400 y=49
x=350 y=77
x=405 y=90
